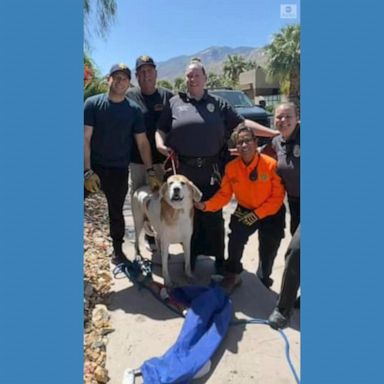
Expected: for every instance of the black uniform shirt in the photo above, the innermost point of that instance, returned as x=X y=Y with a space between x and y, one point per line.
x=152 y=106
x=198 y=128
x=288 y=161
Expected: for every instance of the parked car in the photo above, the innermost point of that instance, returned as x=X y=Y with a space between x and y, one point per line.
x=245 y=107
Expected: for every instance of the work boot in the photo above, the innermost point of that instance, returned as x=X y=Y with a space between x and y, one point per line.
x=118 y=255
x=267 y=282
x=230 y=282
x=278 y=319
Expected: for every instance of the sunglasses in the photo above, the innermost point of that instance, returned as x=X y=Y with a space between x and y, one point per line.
x=244 y=141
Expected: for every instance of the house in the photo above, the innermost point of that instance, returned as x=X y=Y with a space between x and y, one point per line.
x=255 y=85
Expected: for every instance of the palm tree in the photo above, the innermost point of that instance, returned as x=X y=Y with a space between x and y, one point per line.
x=214 y=81
x=180 y=85
x=284 y=61
x=104 y=12
x=233 y=66
x=165 y=84
x=249 y=64
x=93 y=82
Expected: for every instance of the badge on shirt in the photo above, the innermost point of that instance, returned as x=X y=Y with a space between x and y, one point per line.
x=263 y=177
x=296 y=150
x=210 y=107
x=158 y=107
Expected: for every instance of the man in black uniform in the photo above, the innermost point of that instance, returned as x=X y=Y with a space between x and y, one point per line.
x=151 y=100
x=197 y=126
x=111 y=123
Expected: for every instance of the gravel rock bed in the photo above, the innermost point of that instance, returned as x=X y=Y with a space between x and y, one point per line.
x=97 y=285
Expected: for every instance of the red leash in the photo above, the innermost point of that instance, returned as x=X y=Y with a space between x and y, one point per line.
x=172 y=157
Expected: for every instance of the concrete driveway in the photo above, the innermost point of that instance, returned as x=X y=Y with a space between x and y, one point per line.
x=252 y=353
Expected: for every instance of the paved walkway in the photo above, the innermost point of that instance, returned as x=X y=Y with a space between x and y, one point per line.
x=252 y=353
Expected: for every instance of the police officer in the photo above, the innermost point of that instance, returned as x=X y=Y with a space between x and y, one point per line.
x=151 y=100
x=111 y=123
x=289 y=284
x=287 y=147
x=197 y=126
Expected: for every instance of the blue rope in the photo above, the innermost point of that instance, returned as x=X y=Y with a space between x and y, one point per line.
x=284 y=336
x=288 y=356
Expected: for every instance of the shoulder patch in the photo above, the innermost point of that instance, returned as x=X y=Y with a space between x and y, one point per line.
x=264 y=177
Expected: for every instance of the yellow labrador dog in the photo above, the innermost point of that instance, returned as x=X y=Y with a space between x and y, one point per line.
x=170 y=213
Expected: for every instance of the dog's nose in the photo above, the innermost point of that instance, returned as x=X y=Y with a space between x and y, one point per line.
x=176 y=190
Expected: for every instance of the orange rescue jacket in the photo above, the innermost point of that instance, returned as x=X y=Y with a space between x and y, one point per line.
x=265 y=195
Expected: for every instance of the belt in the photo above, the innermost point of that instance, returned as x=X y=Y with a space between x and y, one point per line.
x=198 y=161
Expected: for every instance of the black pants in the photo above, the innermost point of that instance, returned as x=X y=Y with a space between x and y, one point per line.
x=208 y=236
x=208 y=227
x=271 y=231
x=114 y=183
x=294 y=209
x=291 y=276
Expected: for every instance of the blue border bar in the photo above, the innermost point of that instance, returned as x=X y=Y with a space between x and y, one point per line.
x=342 y=226
x=41 y=272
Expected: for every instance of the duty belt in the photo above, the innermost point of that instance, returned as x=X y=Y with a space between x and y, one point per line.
x=198 y=161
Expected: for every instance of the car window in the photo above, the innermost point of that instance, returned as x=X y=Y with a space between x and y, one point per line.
x=236 y=99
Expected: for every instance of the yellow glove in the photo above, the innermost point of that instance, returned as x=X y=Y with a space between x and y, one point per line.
x=240 y=213
x=249 y=219
x=91 y=181
x=153 y=182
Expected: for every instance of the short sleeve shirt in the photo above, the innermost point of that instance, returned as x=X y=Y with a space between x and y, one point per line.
x=198 y=128
x=114 y=126
x=151 y=106
x=288 y=161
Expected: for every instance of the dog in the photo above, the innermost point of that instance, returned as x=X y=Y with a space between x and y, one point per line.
x=170 y=213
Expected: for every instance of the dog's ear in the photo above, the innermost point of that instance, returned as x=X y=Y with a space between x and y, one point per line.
x=196 y=193
x=163 y=189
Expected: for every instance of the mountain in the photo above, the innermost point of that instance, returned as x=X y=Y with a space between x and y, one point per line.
x=212 y=58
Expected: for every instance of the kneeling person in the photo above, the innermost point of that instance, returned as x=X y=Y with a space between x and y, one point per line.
x=252 y=178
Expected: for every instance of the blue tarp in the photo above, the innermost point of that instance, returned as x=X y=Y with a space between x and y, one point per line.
x=204 y=328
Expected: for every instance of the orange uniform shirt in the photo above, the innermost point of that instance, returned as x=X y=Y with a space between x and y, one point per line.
x=265 y=195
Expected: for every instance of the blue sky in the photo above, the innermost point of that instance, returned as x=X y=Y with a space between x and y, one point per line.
x=167 y=28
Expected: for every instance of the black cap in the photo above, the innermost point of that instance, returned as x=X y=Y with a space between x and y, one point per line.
x=144 y=60
x=120 y=68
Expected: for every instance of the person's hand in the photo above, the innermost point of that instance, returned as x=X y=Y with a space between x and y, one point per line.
x=164 y=150
x=91 y=181
x=153 y=182
x=249 y=219
x=200 y=205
